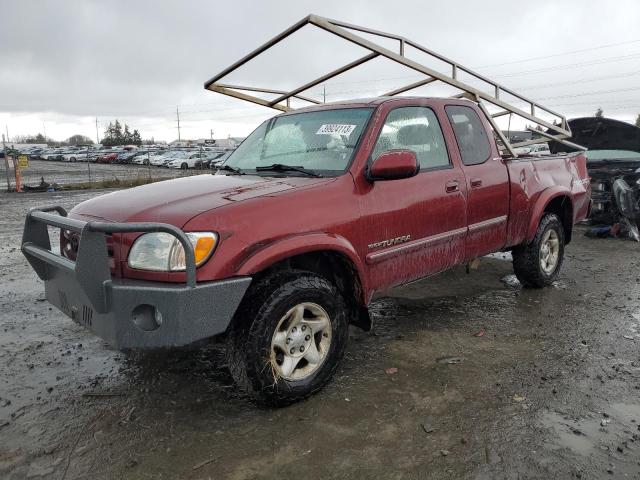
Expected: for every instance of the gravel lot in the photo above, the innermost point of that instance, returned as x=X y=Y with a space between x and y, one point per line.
x=493 y=381
x=64 y=172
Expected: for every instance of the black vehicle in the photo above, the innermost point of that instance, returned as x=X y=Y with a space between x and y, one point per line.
x=613 y=162
x=124 y=157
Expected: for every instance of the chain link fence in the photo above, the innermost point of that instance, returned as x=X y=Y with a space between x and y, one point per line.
x=70 y=175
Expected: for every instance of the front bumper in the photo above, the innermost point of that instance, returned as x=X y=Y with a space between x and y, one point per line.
x=127 y=314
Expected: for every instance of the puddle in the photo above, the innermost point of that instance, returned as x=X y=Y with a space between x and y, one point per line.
x=449 y=360
x=571 y=434
x=604 y=431
x=628 y=414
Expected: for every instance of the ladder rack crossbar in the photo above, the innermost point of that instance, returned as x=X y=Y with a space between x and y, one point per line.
x=558 y=128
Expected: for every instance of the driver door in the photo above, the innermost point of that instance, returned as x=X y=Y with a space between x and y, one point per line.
x=416 y=226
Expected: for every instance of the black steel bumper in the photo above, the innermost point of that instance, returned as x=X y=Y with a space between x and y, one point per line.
x=127 y=313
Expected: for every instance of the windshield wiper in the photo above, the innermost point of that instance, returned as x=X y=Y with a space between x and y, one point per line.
x=280 y=167
x=231 y=169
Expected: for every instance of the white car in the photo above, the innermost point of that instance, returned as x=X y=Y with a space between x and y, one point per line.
x=79 y=155
x=159 y=159
x=537 y=149
x=186 y=161
x=540 y=149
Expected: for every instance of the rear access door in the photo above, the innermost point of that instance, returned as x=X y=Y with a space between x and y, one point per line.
x=487 y=181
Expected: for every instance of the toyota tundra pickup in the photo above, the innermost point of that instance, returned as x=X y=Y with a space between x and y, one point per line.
x=283 y=247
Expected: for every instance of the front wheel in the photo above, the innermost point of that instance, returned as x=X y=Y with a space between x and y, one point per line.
x=538 y=263
x=288 y=337
x=184 y=166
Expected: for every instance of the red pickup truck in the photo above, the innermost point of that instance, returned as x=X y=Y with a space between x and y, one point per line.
x=285 y=245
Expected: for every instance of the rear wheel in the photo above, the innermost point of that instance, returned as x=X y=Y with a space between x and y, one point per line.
x=288 y=337
x=538 y=263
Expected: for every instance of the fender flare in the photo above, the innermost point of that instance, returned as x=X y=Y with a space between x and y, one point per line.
x=300 y=244
x=545 y=197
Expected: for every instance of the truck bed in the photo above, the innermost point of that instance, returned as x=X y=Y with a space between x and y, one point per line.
x=531 y=176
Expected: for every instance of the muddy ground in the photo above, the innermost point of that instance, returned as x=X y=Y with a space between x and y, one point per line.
x=493 y=381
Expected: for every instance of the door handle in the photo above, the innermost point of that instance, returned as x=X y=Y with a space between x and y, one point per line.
x=476 y=182
x=452 y=186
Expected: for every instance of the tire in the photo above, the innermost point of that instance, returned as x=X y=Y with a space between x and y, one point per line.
x=529 y=260
x=184 y=166
x=255 y=361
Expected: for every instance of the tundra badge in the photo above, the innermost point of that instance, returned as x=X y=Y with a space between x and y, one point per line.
x=391 y=241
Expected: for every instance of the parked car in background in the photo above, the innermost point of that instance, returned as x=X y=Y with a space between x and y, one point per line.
x=142 y=158
x=108 y=157
x=536 y=150
x=216 y=162
x=79 y=154
x=137 y=154
x=53 y=154
x=126 y=156
x=175 y=155
x=613 y=163
x=189 y=160
x=160 y=159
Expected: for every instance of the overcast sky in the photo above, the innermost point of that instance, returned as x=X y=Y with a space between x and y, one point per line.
x=64 y=63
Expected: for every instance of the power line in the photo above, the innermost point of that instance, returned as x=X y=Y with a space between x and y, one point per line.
x=507 y=75
x=596 y=92
x=554 y=55
x=582 y=80
x=598 y=61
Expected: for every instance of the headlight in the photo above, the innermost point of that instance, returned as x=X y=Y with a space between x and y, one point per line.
x=162 y=252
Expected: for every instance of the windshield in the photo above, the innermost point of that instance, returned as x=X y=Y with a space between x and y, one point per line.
x=322 y=142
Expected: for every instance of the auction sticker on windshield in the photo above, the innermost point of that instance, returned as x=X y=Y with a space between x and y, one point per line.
x=335 y=128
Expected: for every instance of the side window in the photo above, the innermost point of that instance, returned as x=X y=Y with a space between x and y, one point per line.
x=470 y=135
x=416 y=129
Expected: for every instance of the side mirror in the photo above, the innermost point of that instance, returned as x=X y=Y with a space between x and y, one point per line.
x=393 y=165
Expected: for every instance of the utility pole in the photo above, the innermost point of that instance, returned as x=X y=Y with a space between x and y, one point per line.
x=212 y=134
x=97 y=137
x=7 y=128
x=324 y=94
x=178 y=116
x=44 y=129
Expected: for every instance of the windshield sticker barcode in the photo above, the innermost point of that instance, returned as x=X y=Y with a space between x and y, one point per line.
x=335 y=128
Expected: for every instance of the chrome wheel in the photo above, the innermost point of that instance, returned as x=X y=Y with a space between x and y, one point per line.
x=549 y=251
x=301 y=341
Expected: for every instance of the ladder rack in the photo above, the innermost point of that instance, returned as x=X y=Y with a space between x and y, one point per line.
x=557 y=130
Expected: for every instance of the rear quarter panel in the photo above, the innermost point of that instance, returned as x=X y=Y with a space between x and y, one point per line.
x=537 y=181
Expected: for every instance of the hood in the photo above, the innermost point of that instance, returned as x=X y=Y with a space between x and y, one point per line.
x=179 y=200
x=600 y=133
